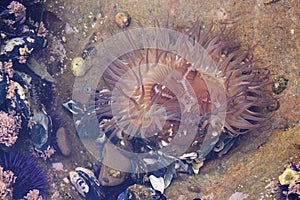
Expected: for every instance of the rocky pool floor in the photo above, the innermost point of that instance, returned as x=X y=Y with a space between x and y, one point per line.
x=257 y=160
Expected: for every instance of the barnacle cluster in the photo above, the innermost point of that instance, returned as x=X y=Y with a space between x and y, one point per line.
x=24 y=121
x=21 y=105
x=19 y=35
x=7 y=178
x=9 y=128
x=33 y=195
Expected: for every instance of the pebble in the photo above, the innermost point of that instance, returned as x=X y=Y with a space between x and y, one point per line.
x=64 y=39
x=292 y=31
x=63 y=142
x=66 y=180
x=194 y=189
x=78 y=66
x=182 y=197
x=58 y=166
x=122 y=19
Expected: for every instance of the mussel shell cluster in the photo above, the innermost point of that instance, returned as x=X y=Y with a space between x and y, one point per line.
x=86 y=183
x=20 y=38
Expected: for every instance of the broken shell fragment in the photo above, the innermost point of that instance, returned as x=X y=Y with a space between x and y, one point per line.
x=157 y=183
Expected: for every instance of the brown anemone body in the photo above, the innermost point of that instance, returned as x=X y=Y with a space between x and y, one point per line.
x=154 y=108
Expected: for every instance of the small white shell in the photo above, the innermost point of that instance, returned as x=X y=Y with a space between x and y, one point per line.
x=78 y=66
x=196 y=167
x=157 y=183
x=164 y=143
x=195 y=170
x=192 y=155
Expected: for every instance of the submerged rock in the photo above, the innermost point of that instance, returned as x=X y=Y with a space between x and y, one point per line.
x=113 y=157
x=63 y=142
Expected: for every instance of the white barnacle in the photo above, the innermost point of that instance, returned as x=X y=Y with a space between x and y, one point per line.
x=31 y=40
x=101 y=139
x=22 y=51
x=3 y=36
x=214 y=134
x=170 y=131
x=164 y=143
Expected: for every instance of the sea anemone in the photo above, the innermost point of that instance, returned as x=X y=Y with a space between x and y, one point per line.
x=188 y=88
x=29 y=176
x=10 y=125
